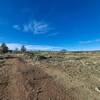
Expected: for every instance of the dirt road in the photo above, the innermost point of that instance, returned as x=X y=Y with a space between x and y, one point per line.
x=27 y=82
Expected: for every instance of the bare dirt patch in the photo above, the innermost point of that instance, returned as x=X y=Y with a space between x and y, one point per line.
x=21 y=81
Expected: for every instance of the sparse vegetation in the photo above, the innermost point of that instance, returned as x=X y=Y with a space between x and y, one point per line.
x=23 y=49
x=77 y=72
x=16 y=50
x=3 y=48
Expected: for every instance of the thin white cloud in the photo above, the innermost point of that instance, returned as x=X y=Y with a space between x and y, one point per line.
x=97 y=40
x=41 y=47
x=41 y=28
x=36 y=27
x=26 y=28
x=13 y=46
x=17 y=27
x=90 y=41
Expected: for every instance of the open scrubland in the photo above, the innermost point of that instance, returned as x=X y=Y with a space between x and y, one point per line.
x=50 y=76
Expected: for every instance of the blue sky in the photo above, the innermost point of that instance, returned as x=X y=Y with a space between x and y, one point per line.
x=51 y=24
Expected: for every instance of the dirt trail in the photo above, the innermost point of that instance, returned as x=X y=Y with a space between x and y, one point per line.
x=27 y=82
x=16 y=87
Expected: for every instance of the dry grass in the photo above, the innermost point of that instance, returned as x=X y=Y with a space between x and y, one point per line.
x=79 y=73
x=22 y=81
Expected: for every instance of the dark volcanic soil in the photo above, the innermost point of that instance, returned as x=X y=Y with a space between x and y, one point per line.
x=21 y=81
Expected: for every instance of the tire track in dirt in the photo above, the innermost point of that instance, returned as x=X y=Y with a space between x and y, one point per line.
x=16 y=87
x=27 y=82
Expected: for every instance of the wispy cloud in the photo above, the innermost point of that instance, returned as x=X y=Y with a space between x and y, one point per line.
x=13 y=46
x=36 y=27
x=17 y=27
x=90 y=41
x=42 y=47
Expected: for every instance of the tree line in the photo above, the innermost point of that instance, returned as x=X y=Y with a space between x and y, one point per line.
x=5 y=49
